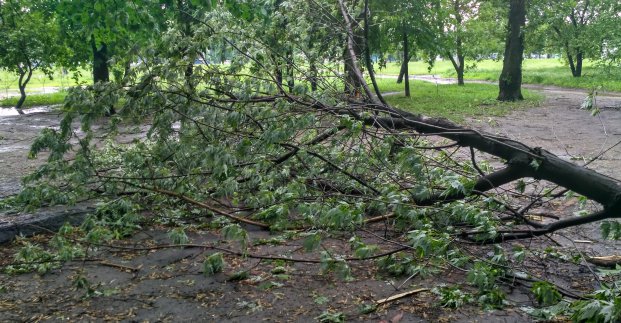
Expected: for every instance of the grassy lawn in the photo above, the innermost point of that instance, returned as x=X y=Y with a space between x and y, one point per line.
x=35 y=100
x=450 y=101
x=9 y=80
x=536 y=71
x=454 y=102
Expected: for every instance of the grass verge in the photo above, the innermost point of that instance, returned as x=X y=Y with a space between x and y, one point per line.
x=36 y=100
x=453 y=102
x=39 y=79
x=535 y=71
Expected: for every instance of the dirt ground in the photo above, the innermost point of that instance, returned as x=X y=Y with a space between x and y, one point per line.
x=167 y=284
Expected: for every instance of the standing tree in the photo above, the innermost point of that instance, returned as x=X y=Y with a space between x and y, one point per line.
x=405 y=26
x=578 y=28
x=28 y=41
x=100 y=30
x=467 y=31
x=510 y=82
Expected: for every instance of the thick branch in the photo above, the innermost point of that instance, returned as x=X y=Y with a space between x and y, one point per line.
x=555 y=226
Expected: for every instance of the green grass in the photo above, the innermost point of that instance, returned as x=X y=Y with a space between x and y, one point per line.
x=35 y=100
x=454 y=102
x=9 y=80
x=535 y=71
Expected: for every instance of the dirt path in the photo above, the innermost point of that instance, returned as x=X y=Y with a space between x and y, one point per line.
x=561 y=127
x=168 y=284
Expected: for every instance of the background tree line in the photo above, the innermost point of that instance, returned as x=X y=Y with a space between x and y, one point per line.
x=106 y=36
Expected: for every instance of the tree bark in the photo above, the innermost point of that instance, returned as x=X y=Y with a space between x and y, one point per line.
x=367 y=53
x=403 y=68
x=313 y=76
x=350 y=55
x=101 y=72
x=406 y=72
x=510 y=82
x=354 y=81
x=184 y=18
x=459 y=63
x=578 y=63
x=24 y=78
x=570 y=60
x=290 y=69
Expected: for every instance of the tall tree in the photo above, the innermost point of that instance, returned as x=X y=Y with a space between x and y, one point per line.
x=579 y=28
x=510 y=82
x=28 y=41
x=405 y=26
x=96 y=31
x=467 y=30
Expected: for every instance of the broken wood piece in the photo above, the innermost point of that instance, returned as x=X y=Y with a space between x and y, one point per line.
x=379 y=218
x=400 y=296
x=109 y=264
x=604 y=261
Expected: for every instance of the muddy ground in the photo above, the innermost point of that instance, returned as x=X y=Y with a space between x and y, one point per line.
x=133 y=282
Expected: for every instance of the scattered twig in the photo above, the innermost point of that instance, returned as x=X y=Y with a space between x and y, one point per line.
x=400 y=296
x=123 y=267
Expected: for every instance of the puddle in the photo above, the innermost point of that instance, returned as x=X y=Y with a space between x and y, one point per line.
x=433 y=79
x=7 y=112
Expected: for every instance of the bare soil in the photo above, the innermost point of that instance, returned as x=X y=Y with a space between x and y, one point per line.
x=139 y=283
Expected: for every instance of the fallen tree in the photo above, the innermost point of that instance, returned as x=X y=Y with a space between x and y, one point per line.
x=230 y=146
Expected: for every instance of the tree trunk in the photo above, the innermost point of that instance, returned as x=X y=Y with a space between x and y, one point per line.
x=403 y=68
x=458 y=65
x=406 y=72
x=313 y=76
x=510 y=81
x=578 y=64
x=24 y=78
x=290 y=68
x=279 y=77
x=570 y=60
x=354 y=81
x=367 y=53
x=101 y=72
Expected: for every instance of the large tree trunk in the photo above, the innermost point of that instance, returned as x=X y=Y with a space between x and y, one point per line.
x=101 y=71
x=510 y=82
